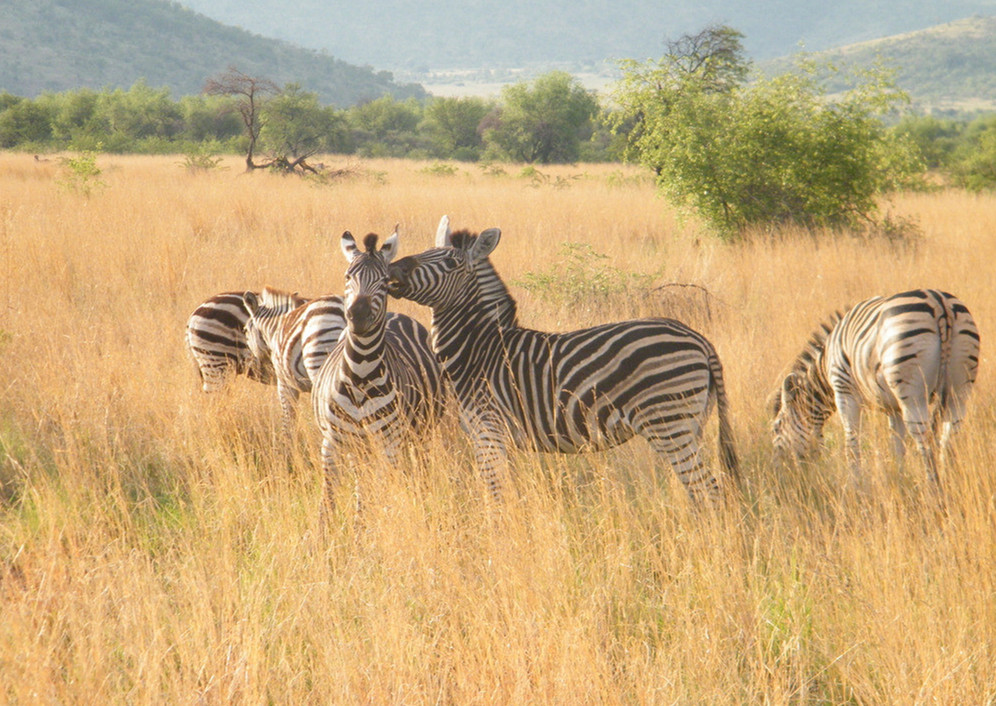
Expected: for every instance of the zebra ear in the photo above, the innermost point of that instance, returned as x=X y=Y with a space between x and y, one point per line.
x=484 y=244
x=252 y=302
x=390 y=247
x=348 y=245
x=443 y=239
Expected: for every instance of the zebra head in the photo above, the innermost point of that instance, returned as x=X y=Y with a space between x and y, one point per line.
x=440 y=276
x=804 y=402
x=365 y=296
x=797 y=428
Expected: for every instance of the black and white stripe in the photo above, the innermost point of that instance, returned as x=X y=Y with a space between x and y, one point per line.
x=217 y=342
x=566 y=392
x=276 y=330
x=381 y=384
x=898 y=354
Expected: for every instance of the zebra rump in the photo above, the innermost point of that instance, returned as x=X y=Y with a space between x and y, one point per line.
x=216 y=340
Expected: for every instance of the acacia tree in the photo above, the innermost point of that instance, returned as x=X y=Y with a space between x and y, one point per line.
x=771 y=151
x=250 y=93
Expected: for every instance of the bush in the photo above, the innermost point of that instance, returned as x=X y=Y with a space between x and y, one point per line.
x=770 y=152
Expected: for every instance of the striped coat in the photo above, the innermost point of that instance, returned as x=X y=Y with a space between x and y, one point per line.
x=381 y=385
x=898 y=354
x=216 y=340
x=569 y=392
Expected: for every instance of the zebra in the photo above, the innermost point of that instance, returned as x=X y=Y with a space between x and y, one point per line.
x=897 y=353
x=381 y=383
x=217 y=342
x=295 y=335
x=566 y=392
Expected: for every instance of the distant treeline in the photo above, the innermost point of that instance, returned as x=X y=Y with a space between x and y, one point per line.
x=552 y=119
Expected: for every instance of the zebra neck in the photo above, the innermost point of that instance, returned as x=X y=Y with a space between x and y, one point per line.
x=818 y=386
x=363 y=355
x=467 y=325
x=495 y=295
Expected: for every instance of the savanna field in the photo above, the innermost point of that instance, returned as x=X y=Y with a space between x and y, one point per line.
x=160 y=545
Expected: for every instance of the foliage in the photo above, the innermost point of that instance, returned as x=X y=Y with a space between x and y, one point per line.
x=24 y=122
x=298 y=126
x=773 y=151
x=385 y=127
x=452 y=126
x=201 y=160
x=81 y=173
x=440 y=169
x=581 y=279
x=974 y=159
x=544 y=122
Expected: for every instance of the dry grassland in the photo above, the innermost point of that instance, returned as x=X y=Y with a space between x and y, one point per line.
x=158 y=545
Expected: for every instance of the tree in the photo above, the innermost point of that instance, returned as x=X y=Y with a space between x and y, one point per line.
x=543 y=122
x=453 y=126
x=250 y=92
x=385 y=127
x=297 y=127
x=773 y=151
x=974 y=159
x=24 y=122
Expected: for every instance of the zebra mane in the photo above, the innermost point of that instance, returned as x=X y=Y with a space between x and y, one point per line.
x=462 y=239
x=806 y=364
x=370 y=242
x=816 y=344
x=273 y=298
x=493 y=291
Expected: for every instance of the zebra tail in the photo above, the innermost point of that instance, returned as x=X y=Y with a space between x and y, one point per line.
x=727 y=447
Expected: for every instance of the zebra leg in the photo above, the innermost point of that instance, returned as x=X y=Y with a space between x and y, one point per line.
x=683 y=453
x=849 y=409
x=916 y=416
x=898 y=428
x=330 y=476
x=288 y=400
x=951 y=412
x=489 y=436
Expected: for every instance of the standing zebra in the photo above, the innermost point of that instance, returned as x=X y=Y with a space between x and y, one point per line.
x=296 y=336
x=381 y=383
x=567 y=392
x=217 y=342
x=896 y=353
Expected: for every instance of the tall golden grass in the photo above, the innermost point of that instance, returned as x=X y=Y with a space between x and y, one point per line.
x=158 y=545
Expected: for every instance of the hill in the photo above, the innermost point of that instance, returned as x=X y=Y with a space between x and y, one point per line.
x=57 y=45
x=948 y=66
x=437 y=34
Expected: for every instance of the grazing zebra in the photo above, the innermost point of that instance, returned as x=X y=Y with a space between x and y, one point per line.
x=217 y=342
x=381 y=382
x=566 y=392
x=896 y=353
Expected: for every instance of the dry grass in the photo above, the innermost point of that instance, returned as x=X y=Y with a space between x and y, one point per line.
x=161 y=546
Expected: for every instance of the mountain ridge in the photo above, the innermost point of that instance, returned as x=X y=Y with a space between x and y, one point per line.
x=57 y=45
